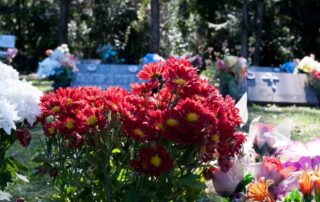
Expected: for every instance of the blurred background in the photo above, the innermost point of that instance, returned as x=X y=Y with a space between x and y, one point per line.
x=267 y=32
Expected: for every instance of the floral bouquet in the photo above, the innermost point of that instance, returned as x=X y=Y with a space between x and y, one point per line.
x=290 y=173
x=109 y=55
x=315 y=80
x=312 y=67
x=59 y=66
x=151 y=144
x=19 y=106
x=151 y=57
x=231 y=71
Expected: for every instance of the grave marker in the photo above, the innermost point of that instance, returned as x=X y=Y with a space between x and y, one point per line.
x=279 y=87
x=7 y=41
x=105 y=75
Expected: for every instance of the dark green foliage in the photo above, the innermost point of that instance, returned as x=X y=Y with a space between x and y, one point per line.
x=290 y=28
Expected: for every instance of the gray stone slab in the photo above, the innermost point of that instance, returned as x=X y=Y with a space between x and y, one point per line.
x=105 y=75
x=280 y=87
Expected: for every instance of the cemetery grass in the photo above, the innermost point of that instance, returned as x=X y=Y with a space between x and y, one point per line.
x=40 y=188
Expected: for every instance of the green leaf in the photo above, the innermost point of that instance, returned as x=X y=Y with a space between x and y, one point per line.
x=192 y=181
x=116 y=151
x=40 y=158
x=247 y=179
x=130 y=196
x=294 y=196
x=122 y=175
x=317 y=196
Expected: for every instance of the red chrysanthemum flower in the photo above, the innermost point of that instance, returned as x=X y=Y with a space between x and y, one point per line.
x=207 y=152
x=178 y=73
x=139 y=128
x=170 y=126
x=195 y=119
x=67 y=125
x=92 y=119
x=316 y=74
x=198 y=87
x=75 y=140
x=144 y=89
x=49 y=106
x=93 y=96
x=114 y=98
x=151 y=71
x=153 y=161
x=50 y=129
x=24 y=136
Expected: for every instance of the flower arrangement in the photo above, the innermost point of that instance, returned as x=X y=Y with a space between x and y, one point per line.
x=59 y=66
x=290 y=173
x=231 y=71
x=109 y=55
x=19 y=107
x=312 y=67
x=150 y=58
x=149 y=144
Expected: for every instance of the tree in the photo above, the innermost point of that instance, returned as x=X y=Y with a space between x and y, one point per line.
x=155 y=26
x=64 y=20
x=258 y=31
x=244 y=29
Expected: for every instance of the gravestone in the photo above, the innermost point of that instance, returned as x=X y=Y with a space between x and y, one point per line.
x=92 y=73
x=269 y=85
x=6 y=41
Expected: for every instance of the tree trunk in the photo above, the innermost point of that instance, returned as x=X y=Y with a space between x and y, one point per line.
x=244 y=30
x=64 y=19
x=155 y=23
x=258 y=31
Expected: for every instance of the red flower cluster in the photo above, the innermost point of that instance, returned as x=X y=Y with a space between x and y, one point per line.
x=153 y=160
x=24 y=136
x=315 y=74
x=77 y=114
x=175 y=107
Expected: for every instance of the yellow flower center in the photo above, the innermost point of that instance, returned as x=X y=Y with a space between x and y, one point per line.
x=155 y=161
x=180 y=82
x=161 y=126
x=172 y=122
x=92 y=120
x=155 y=76
x=69 y=101
x=203 y=149
x=51 y=130
x=56 y=109
x=138 y=132
x=215 y=138
x=192 y=117
x=70 y=124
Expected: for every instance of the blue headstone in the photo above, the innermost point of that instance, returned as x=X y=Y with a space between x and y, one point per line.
x=7 y=41
x=105 y=75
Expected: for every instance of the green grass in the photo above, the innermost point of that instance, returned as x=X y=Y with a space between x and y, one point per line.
x=306 y=127
x=40 y=187
x=42 y=85
x=306 y=120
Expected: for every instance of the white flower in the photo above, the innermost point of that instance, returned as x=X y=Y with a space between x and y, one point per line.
x=8 y=116
x=307 y=64
x=24 y=96
x=64 y=48
x=7 y=72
